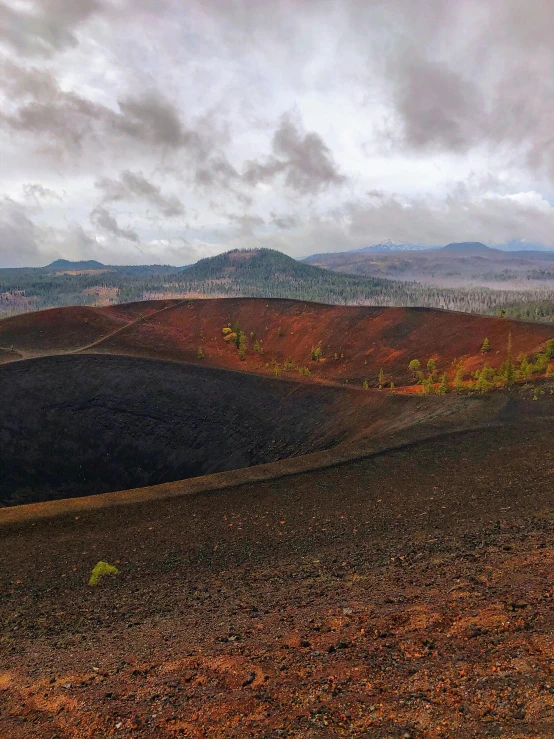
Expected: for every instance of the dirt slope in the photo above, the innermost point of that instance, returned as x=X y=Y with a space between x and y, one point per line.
x=66 y=329
x=355 y=341
x=403 y=595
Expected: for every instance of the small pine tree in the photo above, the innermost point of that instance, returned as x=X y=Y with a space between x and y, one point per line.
x=431 y=368
x=366 y=385
x=427 y=386
x=316 y=354
x=525 y=369
x=550 y=370
x=541 y=363
x=509 y=369
x=242 y=354
x=483 y=384
x=414 y=367
x=381 y=378
x=444 y=386
x=458 y=384
x=200 y=353
x=549 y=349
x=486 y=347
x=392 y=385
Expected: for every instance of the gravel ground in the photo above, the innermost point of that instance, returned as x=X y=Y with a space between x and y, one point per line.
x=403 y=595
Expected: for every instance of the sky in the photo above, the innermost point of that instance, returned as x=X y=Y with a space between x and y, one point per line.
x=164 y=131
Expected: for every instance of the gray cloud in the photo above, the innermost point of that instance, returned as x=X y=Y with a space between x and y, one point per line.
x=70 y=122
x=397 y=99
x=19 y=236
x=305 y=160
x=36 y=192
x=438 y=108
x=284 y=222
x=49 y=26
x=132 y=186
x=103 y=219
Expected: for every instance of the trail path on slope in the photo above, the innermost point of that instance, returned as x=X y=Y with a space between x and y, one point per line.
x=125 y=327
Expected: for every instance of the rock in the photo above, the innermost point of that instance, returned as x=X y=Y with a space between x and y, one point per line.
x=249 y=680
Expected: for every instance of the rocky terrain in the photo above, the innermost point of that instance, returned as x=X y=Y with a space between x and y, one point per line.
x=390 y=578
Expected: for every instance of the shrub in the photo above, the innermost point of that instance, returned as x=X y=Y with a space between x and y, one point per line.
x=316 y=354
x=541 y=363
x=99 y=570
x=444 y=386
x=226 y=330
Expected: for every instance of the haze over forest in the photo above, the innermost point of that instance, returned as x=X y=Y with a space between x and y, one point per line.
x=136 y=131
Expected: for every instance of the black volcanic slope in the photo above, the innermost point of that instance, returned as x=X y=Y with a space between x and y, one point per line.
x=78 y=425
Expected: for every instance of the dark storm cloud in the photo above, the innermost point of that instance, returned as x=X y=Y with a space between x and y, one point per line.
x=49 y=26
x=132 y=186
x=103 y=219
x=304 y=159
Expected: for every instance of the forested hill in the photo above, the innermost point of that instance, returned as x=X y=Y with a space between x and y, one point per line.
x=269 y=273
x=242 y=273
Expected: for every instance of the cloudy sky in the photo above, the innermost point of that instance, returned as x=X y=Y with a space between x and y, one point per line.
x=142 y=131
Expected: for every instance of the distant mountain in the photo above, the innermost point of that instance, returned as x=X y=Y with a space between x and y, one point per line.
x=522 y=245
x=389 y=245
x=66 y=264
x=469 y=249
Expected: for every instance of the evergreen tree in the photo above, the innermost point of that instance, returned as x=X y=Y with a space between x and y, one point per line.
x=509 y=370
x=444 y=387
x=486 y=347
x=431 y=368
x=414 y=367
x=381 y=378
x=458 y=384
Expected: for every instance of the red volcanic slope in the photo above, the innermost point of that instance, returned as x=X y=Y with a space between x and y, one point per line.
x=356 y=341
x=67 y=329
